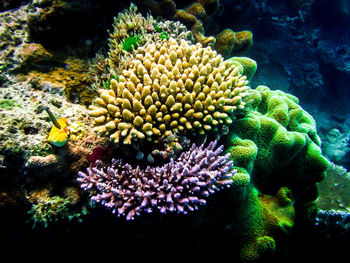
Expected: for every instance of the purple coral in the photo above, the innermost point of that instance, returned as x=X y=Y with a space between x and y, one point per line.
x=181 y=185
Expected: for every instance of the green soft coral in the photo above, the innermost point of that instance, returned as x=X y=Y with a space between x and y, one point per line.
x=47 y=209
x=248 y=65
x=275 y=147
x=277 y=139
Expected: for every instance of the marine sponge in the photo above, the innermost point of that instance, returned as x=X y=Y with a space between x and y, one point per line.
x=169 y=87
x=181 y=185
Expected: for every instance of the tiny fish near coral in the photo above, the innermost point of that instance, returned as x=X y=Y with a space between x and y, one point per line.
x=48 y=64
x=59 y=132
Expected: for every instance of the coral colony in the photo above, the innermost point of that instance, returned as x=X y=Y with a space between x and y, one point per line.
x=159 y=89
x=169 y=87
x=181 y=185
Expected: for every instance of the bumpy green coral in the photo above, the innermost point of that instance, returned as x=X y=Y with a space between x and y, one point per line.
x=260 y=219
x=248 y=65
x=276 y=143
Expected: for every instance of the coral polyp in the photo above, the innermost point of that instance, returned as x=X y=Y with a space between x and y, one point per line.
x=182 y=185
x=169 y=87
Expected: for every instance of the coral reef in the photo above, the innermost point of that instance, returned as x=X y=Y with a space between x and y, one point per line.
x=159 y=92
x=13 y=34
x=334 y=191
x=335 y=55
x=46 y=208
x=229 y=42
x=130 y=31
x=33 y=62
x=199 y=15
x=33 y=78
x=335 y=135
x=275 y=135
x=275 y=145
x=25 y=126
x=63 y=162
x=191 y=17
x=129 y=28
x=269 y=217
x=333 y=222
x=175 y=30
x=71 y=79
x=335 y=144
x=300 y=70
x=169 y=87
x=29 y=54
x=42 y=161
x=248 y=65
x=179 y=186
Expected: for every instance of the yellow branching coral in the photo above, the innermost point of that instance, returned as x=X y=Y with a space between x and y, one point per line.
x=169 y=87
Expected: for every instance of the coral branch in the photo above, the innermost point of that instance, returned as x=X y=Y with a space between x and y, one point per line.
x=181 y=185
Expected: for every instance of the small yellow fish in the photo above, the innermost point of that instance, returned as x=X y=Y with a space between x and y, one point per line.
x=59 y=133
x=59 y=137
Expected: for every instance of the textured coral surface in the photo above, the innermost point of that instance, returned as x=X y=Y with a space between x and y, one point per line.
x=169 y=87
x=277 y=134
x=159 y=98
x=182 y=185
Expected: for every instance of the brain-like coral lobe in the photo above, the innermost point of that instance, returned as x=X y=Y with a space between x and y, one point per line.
x=169 y=87
x=229 y=42
x=276 y=143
